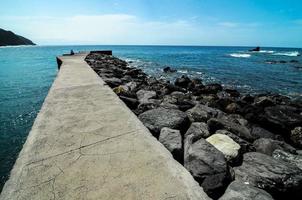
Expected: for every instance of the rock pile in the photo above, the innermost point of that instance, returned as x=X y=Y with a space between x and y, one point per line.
x=236 y=146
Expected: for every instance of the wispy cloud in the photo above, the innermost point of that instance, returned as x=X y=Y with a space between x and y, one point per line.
x=228 y=24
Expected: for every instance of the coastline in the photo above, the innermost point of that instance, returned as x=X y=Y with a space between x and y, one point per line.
x=266 y=126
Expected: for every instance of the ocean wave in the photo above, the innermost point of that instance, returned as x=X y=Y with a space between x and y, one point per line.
x=290 y=53
x=183 y=71
x=240 y=55
x=266 y=51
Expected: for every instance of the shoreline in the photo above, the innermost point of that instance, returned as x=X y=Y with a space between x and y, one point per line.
x=267 y=127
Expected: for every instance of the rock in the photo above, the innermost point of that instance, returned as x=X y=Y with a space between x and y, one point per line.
x=144 y=95
x=241 y=131
x=236 y=118
x=169 y=70
x=245 y=146
x=212 y=88
x=198 y=130
x=133 y=72
x=288 y=157
x=282 y=180
x=296 y=136
x=282 y=117
x=201 y=113
x=294 y=61
x=171 y=139
x=258 y=132
x=268 y=146
x=158 y=118
x=113 y=82
x=232 y=92
x=120 y=89
x=207 y=165
x=226 y=145
x=240 y=191
x=263 y=101
x=130 y=102
x=183 y=81
x=232 y=108
x=257 y=49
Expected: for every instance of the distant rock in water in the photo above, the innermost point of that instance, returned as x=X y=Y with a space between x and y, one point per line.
x=169 y=70
x=255 y=49
x=8 y=38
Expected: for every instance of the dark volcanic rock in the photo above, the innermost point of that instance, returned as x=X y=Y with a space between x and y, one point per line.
x=169 y=70
x=183 y=81
x=113 y=82
x=171 y=139
x=130 y=102
x=198 y=130
x=288 y=157
x=158 y=118
x=282 y=117
x=241 y=131
x=240 y=191
x=207 y=165
x=258 y=132
x=201 y=113
x=268 y=146
x=296 y=137
x=280 y=179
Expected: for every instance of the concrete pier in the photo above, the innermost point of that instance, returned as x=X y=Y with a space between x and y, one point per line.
x=86 y=144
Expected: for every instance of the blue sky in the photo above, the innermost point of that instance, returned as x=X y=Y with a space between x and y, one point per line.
x=165 y=22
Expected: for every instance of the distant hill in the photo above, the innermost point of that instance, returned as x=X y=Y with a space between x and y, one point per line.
x=8 y=38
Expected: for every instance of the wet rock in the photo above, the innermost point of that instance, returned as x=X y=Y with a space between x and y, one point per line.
x=232 y=92
x=288 y=157
x=263 y=101
x=171 y=139
x=198 y=130
x=212 y=88
x=158 y=118
x=268 y=146
x=281 y=179
x=240 y=191
x=226 y=145
x=236 y=118
x=144 y=95
x=183 y=81
x=201 y=113
x=207 y=165
x=255 y=49
x=169 y=70
x=241 y=131
x=296 y=136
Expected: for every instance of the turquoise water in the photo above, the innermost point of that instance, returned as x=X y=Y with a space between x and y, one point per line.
x=26 y=74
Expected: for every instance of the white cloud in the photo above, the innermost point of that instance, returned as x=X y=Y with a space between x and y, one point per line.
x=228 y=24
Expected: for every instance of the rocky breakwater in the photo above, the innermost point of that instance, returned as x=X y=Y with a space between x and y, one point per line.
x=235 y=146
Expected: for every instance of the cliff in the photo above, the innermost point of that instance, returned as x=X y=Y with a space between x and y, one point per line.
x=10 y=38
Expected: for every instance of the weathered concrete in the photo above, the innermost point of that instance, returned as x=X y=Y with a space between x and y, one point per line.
x=86 y=144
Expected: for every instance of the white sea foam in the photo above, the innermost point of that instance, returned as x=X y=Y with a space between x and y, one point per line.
x=290 y=53
x=183 y=71
x=240 y=55
x=266 y=51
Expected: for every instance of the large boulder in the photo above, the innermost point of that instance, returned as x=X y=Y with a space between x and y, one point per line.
x=282 y=117
x=113 y=82
x=268 y=146
x=288 y=157
x=296 y=137
x=183 y=81
x=241 y=131
x=201 y=113
x=240 y=191
x=281 y=179
x=226 y=145
x=207 y=165
x=198 y=130
x=158 y=118
x=171 y=139
x=258 y=132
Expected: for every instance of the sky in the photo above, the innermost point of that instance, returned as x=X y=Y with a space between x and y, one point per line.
x=274 y=23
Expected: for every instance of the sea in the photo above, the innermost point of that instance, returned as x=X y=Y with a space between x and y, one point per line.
x=27 y=73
